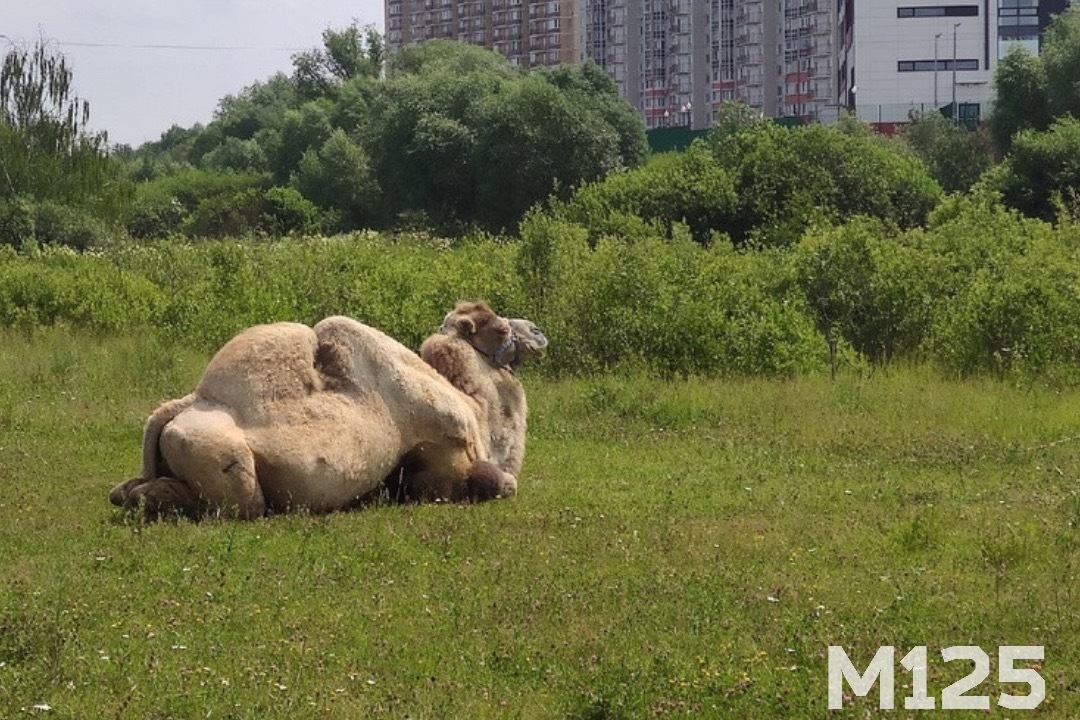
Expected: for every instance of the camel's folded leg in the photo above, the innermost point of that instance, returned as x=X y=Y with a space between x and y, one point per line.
x=482 y=482
x=486 y=481
x=120 y=493
x=164 y=496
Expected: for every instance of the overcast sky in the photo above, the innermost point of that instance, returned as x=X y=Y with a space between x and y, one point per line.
x=201 y=51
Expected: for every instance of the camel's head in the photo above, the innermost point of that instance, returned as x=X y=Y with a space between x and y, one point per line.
x=506 y=342
x=478 y=325
x=527 y=340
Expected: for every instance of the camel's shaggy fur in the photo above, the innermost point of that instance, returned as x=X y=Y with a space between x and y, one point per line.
x=478 y=351
x=288 y=416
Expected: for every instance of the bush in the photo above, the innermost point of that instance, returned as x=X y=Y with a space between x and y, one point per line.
x=688 y=187
x=58 y=286
x=228 y=216
x=288 y=212
x=156 y=216
x=58 y=224
x=164 y=206
x=1012 y=291
x=786 y=179
x=667 y=305
x=870 y=287
x=1041 y=175
x=17 y=222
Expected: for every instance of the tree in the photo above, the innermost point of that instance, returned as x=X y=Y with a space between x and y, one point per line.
x=37 y=99
x=956 y=156
x=1032 y=91
x=592 y=87
x=302 y=129
x=1041 y=175
x=46 y=152
x=1021 y=101
x=1060 y=57
x=256 y=107
x=458 y=133
x=346 y=54
x=337 y=177
x=534 y=142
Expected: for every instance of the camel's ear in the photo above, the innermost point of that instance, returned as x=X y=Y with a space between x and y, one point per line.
x=465 y=325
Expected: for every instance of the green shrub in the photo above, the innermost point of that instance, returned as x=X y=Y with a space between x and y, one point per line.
x=288 y=212
x=17 y=222
x=57 y=286
x=156 y=216
x=1014 y=291
x=687 y=187
x=786 y=179
x=865 y=286
x=1041 y=175
x=235 y=215
x=673 y=307
x=58 y=224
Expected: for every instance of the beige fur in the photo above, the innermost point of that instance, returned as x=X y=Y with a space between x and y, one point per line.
x=288 y=416
x=487 y=376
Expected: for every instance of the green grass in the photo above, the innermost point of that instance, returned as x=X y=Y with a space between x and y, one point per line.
x=684 y=549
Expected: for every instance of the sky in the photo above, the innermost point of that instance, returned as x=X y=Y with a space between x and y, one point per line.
x=145 y=66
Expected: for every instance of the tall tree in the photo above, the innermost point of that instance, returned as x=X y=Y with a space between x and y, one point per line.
x=1060 y=58
x=1021 y=101
x=348 y=53
x=46 y=153
x=956 y=156
x=37 y=98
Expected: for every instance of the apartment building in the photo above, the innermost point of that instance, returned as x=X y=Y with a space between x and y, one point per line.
x=678 y=61
x=530 y=33
x=745 y=36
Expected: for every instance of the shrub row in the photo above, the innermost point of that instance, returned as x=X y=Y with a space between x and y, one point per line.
x=979 y=289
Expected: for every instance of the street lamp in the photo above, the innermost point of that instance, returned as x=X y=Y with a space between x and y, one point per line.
x=936 y=38
x=666 y=116
x=955 y=108
x=685 y=109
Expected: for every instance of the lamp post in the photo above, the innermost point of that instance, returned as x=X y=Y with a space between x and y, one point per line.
x=936 y=38
x=685 y=110
x=955 y=108
x=666 y=116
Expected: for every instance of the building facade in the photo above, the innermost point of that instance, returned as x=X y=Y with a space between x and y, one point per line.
x=900 y=58
x=529 y=33
x=678 y=61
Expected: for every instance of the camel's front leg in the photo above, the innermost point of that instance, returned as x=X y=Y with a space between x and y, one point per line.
x=161 y=497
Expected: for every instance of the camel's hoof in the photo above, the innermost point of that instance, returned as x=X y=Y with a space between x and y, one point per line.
x=119 y=495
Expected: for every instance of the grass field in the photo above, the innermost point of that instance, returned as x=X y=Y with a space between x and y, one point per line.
x=683 y=549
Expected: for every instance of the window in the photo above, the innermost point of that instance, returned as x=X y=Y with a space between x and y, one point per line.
x=942 y=64
x=938 y=11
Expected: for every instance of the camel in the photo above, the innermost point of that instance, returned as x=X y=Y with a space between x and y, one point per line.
x=462 y=352
x=288 y=416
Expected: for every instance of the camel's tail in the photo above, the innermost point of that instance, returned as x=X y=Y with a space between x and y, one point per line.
x=151 y=452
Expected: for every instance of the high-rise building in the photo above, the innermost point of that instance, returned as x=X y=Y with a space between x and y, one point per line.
x=530 y=33
x=678 y=61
